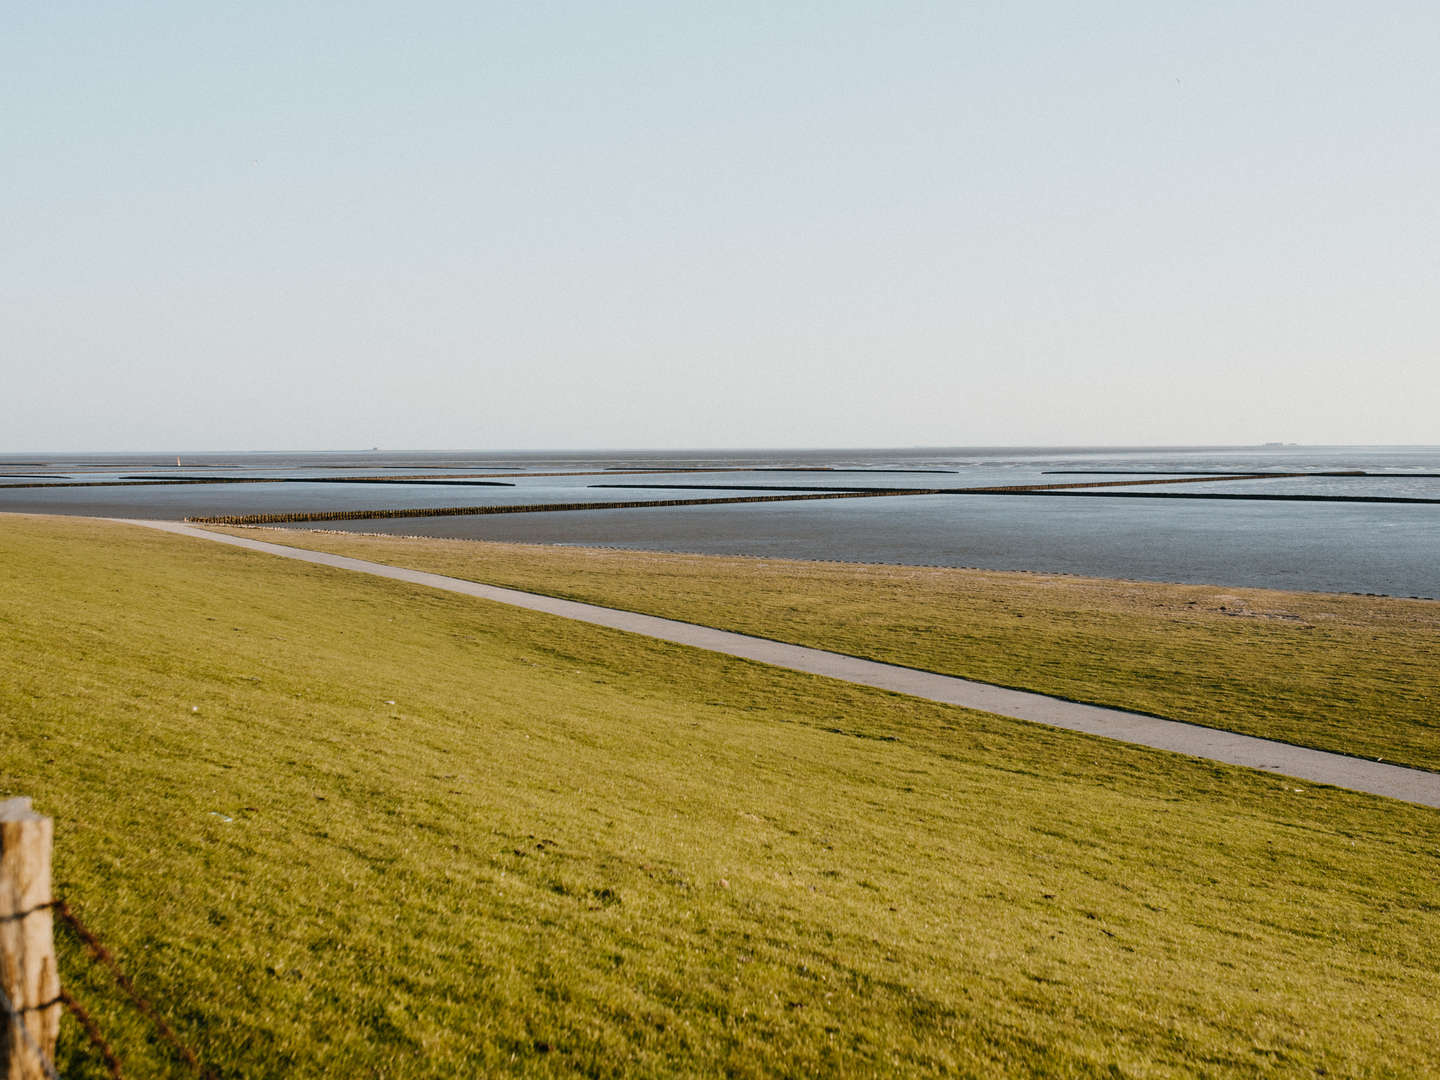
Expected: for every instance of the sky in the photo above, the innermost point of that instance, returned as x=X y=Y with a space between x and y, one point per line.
x=247 y=226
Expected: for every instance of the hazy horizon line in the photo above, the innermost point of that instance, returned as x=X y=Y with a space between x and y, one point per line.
x=928 y=447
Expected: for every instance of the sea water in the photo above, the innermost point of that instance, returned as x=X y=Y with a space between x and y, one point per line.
x=1385 y=548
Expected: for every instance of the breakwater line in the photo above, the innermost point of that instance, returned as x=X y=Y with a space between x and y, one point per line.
x=292 y=517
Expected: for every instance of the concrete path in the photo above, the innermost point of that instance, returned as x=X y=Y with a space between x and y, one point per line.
x=1316 y=766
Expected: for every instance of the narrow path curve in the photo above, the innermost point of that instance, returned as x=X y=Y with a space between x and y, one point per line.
x=1316 y=766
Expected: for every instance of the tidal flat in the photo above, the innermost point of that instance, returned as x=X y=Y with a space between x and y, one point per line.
x=1358 y=547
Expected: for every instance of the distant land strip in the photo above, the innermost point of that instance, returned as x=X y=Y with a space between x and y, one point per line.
x=157 y=481
x=130 y=483
x=473 y=478
x=172 y=481
x=404 y=478
x=439 y=481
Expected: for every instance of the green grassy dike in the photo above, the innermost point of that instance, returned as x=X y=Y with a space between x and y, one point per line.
x=1351 y=674
x=468 y=840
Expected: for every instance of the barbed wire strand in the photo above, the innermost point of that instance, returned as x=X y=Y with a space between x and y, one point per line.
x=18 y=1022
x=92 y=1031
x=100 y=953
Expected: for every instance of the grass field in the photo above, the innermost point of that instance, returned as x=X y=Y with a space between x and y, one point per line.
x=341 y=826
x=1353 y=674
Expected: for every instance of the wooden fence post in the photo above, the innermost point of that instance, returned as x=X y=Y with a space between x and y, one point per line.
x=28 y=975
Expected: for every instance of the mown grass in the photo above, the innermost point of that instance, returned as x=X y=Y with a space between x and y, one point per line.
x=1352 y=674
x=410 y=834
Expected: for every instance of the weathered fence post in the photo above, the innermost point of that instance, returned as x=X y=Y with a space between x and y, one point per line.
x=28 y=976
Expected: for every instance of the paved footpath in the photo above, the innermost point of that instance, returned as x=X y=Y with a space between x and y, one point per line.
x=1358 y=774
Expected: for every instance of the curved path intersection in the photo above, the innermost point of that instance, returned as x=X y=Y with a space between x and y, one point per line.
x=1316 y=766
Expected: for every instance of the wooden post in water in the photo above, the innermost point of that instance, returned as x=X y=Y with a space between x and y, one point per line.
x=28 y=976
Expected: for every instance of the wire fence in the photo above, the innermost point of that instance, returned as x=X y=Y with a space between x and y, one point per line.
x=99 y=954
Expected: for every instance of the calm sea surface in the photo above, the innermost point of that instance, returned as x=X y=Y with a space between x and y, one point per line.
x=1340 y=547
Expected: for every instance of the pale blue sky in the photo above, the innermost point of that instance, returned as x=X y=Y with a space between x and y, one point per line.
x=472 y=225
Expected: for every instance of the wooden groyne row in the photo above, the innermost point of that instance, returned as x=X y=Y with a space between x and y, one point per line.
x=284 y=518
x=459 y=479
